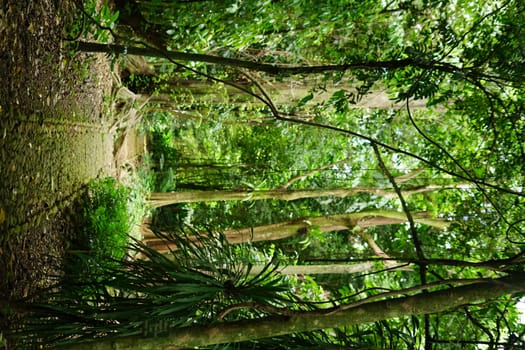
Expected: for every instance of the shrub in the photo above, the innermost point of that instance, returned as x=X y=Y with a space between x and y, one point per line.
x=105 y=220
x=102 y=237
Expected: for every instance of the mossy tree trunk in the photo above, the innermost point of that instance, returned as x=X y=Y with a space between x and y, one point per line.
x=292 y=228
x=160 y=199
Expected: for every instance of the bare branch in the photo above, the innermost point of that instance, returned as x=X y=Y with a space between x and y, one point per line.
x=409 y=176
x=413 y=230
x=310 y=173
x=389 y=263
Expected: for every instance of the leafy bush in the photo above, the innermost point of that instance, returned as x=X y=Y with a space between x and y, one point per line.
x=106 y=221
x=103 y=231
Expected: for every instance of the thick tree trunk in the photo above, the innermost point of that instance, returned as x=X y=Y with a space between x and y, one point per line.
x=160 y=199
x=297 y=227
x=244 y=330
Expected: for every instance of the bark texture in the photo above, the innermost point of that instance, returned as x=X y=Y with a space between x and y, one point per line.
x=159 y=199
x=292 y=228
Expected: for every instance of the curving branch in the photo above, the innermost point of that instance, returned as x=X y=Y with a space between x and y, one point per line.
x=413 y=230
x=310 y=173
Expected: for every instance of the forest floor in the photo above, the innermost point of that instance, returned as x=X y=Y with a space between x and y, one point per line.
x=54 y=137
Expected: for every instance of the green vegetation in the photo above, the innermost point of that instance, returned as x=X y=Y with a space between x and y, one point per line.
x=106 y=218
x=204 y=277
x=383 y=137
x=111 y=213
x=93 y=20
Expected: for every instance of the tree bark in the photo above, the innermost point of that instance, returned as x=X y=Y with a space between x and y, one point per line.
x=244 y=330
x=297 y=227
x=332 y=268
x=160 y=199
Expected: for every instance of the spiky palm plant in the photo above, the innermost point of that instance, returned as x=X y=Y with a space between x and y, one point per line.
x=151 y=294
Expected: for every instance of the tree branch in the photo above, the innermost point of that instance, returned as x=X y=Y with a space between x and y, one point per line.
x=310 y=173
x=413 y=230
x=273 y=69
x=409 y=290
x=409 y=176
x=389 y=262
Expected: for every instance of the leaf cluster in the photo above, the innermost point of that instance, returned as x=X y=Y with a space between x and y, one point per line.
x=93 y=21
x=105 y=223
x=150 y=295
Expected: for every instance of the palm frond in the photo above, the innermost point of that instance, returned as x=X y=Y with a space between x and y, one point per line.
x=190 y=285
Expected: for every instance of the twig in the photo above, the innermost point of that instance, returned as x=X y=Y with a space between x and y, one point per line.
x=413 y=230
x=309 y=173
x=409 y=176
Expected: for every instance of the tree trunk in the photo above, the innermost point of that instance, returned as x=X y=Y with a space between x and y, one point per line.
x=160 y=199
x=332 y=268
x=245 y=330
x=287 y=93
x=297 y=227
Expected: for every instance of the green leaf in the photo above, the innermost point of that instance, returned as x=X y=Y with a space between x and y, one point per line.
x=305 y=99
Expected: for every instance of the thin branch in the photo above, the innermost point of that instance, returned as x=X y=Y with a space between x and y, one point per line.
x=496 y=265
x=412 y=225
x=478 y=324
x=459 y=281
x=468 y=175
x=367 y=237
x=256 y=306
x=371 y=243
x=471 y=29
x=310 y=173
x=409 y=176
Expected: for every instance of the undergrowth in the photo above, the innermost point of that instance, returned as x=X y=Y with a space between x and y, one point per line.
x=106 y=221
x=111 y=212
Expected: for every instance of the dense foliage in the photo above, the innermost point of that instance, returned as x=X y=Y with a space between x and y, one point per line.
x=417 y=105
x=106 y=221
x=193 y=285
